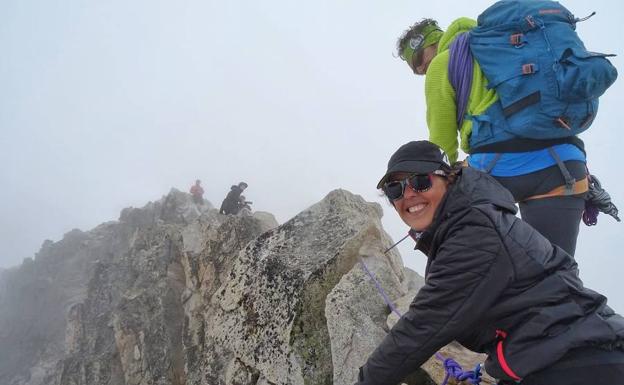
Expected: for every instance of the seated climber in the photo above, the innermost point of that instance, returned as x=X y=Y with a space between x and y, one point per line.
x=492 y=283
x=230 y=204
x=197 y=192
x=244 y=204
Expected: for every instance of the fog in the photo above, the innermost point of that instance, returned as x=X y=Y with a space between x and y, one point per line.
x=105 y=105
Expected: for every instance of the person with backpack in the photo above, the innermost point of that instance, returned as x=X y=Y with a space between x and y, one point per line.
x=230 y=204
x=516 y=108
x=492 y=283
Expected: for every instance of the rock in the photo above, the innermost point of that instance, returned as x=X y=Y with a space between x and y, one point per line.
x=434 y=367
x=273 y=319
x=174 y=208
x=176 y=293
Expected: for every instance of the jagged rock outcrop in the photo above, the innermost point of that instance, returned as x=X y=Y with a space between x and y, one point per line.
x=267 y=322
x=174 y=293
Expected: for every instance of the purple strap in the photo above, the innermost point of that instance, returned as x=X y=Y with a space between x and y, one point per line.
x=460 y=73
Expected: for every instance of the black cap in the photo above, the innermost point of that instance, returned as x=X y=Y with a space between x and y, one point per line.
x=419 y=156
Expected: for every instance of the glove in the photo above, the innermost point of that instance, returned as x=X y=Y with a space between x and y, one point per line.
x=597 y=200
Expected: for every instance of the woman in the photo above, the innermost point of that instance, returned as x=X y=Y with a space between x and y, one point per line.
x=492 y=283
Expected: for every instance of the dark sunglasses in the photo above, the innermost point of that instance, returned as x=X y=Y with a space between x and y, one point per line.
x=417 y=58
x=418 y=182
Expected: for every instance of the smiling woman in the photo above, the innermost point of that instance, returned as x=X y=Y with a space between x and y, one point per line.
x=416 y=207
x=421 y=167
x=487 y=270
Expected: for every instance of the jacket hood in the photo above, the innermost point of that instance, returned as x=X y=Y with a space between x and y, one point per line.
x=475 y=188
x=461 y=25
x=472 y=188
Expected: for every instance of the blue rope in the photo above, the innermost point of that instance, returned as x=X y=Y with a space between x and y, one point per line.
x=453 y=369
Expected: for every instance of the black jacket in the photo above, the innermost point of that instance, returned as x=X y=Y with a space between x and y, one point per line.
x=230 y=203
x=489 y=271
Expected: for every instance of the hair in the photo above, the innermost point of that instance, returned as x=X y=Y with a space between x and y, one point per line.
x=241 y=184
x=454 y=171
x=411 y=32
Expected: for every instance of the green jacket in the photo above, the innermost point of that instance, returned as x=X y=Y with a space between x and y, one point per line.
x=440 y=95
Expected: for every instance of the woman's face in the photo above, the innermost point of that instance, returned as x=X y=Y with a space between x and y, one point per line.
x=417 y=209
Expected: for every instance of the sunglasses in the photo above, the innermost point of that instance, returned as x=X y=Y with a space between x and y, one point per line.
x=420 y=183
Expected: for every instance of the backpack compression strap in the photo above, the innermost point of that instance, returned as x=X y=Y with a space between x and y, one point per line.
x=460 y=73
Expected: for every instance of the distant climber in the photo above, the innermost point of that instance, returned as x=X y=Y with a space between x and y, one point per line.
x=244 y=205
x=492 y=283
x=231 y=203
x=197 y=192
x=544 y=170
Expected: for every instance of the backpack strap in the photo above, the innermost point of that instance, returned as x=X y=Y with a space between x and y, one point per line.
x=490 y=166
x=460 y=69
x=569 y=180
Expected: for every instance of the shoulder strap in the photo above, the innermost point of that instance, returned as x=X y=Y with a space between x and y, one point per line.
x=460 y=69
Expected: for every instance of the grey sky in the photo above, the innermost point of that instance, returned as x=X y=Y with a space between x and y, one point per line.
x=105 y=105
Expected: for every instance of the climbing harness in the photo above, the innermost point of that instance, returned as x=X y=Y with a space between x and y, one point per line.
x=451 y=367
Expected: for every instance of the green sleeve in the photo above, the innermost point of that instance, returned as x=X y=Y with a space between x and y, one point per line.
x=441 y=108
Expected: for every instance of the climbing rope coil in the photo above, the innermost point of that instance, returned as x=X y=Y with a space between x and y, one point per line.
x=454 y=370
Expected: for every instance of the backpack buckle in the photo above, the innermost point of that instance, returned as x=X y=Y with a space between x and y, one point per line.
x=563 y=122
x=516 y=39
x=528 y=68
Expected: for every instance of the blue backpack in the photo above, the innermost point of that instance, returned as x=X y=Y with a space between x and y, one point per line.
x=547 y=82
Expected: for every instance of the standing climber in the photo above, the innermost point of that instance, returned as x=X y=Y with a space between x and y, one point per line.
x=197 y=192
x=492 y=283
x=230 y=204
x=548 y=177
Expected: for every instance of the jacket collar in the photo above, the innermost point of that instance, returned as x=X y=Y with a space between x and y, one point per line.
x=471 y=188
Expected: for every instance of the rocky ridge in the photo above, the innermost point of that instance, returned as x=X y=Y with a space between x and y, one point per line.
x=175 y=293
